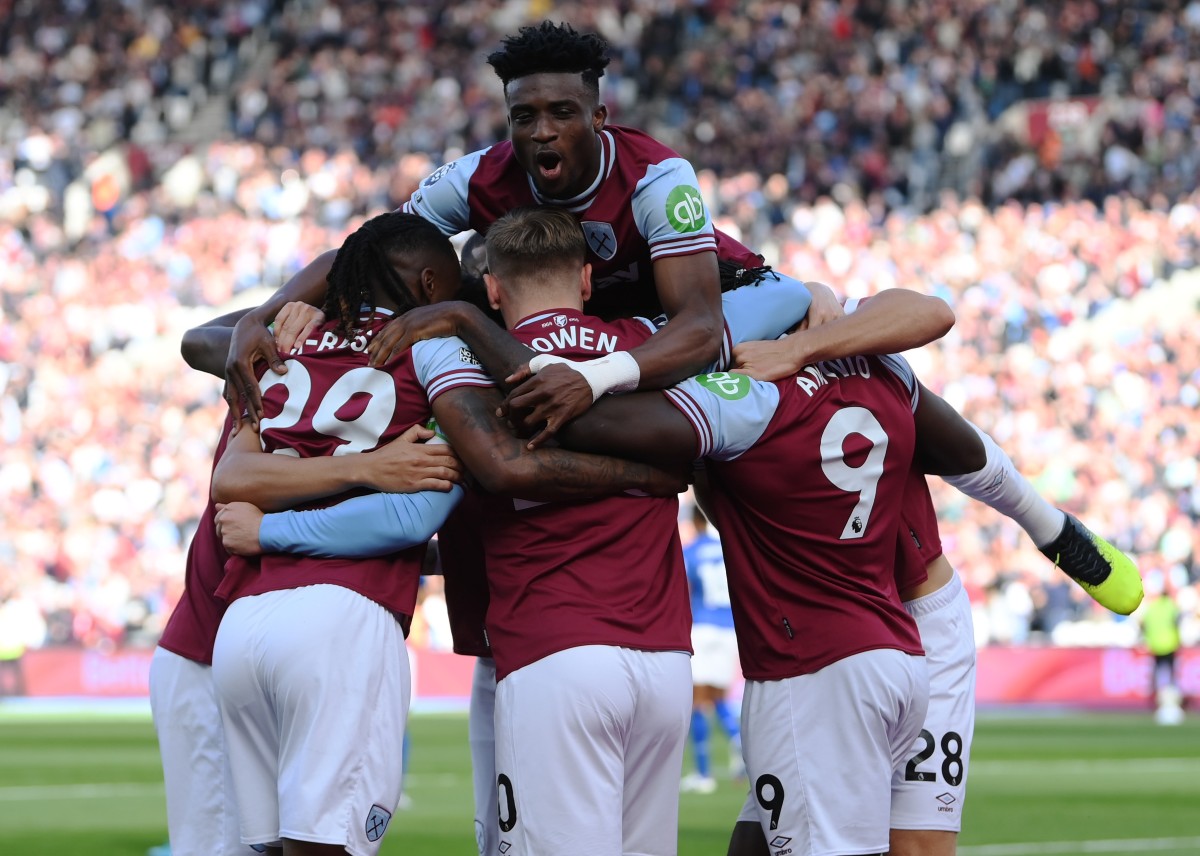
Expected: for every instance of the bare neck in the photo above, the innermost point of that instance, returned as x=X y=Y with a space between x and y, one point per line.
x=514 y=307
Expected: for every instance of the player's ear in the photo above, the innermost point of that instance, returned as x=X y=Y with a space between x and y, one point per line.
x=585 y=282
x=493 y=290
x=599 y=117
x=428 y=284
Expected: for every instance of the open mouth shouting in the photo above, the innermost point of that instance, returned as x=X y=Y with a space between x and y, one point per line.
x=549 y=165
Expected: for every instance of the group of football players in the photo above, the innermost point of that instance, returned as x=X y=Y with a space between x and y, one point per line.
x=586 y=380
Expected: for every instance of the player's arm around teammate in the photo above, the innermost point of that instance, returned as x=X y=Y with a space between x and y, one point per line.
x=907 y=319
x=894 y=320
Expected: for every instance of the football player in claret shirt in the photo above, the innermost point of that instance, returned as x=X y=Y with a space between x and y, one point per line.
x=314 y=645
x=588 y=614
x=808 y=478
x=929 y=786
x=201 y=809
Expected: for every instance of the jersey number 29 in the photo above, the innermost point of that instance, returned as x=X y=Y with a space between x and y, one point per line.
x=361 y=432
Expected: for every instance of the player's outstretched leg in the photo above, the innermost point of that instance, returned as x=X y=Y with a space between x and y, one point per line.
x=1104 y=572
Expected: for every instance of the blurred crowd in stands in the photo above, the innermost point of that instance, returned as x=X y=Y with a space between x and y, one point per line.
x=1034 y=165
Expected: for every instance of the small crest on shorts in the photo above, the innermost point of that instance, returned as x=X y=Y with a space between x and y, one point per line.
x=601 y=238
x=377 y=822
x=946 y=799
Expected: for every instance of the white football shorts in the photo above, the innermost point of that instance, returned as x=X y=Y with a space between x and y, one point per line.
x=820 y=750
x=481 y=731
x=929 y=788
x=715 y=661
x=201 y=809
x=589 y=750
x=313 y=685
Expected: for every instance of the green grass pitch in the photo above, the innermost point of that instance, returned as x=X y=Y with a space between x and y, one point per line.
x=1061 y=785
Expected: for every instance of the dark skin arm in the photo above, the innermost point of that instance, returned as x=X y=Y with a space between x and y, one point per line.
x=647 y=427
x=947 y=444
x=689 y=290
x=642 y=426
x=252 y=341
x=204 y=348
x=499 y=353
x=496 y=349
x=278 y=482
x=502 y=464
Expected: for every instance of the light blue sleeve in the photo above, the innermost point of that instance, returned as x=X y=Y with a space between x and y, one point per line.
x=441 y=198
x=371 y=525
x=670 y=212
x=753 y=313
x=766 y=310
x=729 y=412
x=444 y=364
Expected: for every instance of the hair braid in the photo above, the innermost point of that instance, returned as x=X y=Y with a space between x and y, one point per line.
x=362 y=270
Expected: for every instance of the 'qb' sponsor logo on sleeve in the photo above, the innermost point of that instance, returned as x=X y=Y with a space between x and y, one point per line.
x=729 y=386
x=685 y=209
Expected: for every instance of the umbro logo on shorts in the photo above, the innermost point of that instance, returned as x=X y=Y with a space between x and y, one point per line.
x=377 y=822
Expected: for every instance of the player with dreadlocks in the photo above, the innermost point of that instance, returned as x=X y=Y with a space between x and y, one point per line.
x=368 y=262
x=303 y=637
x=651 y=241
x=311 y=649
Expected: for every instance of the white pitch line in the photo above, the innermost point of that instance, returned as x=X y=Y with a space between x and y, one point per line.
x=1067 y=767
x=104 y=790
x=79 y=792
x=1070 y=848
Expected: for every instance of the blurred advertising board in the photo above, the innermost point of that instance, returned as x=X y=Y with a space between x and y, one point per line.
x=1070 y=677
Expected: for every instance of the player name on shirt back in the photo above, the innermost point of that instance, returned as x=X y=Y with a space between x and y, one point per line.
x=571 y=336
x=820 y=374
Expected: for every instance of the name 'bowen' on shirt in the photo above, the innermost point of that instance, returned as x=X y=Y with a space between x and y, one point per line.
x=575 y=337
